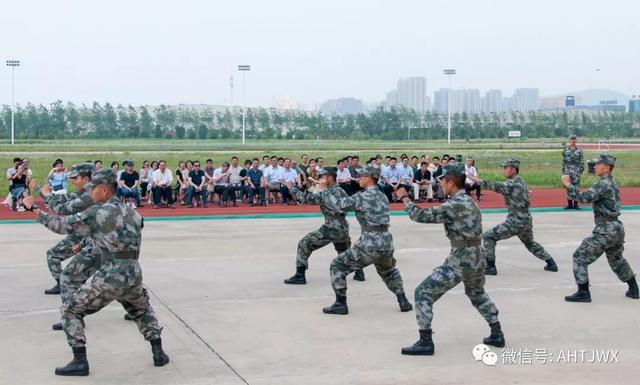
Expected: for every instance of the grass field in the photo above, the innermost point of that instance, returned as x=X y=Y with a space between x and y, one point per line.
x=541 y=159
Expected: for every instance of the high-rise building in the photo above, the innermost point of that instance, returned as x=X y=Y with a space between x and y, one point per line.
x=526 y=99
x=342 y=106
x=441 y=100
x=391 y=99
x=410 y=93
x=492 y=101
x=634 y=103
x=470 y=100
x=285 y=103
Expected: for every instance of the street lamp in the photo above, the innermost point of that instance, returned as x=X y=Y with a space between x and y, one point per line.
x=13 y=64
x=449 y=72
x=243 y=68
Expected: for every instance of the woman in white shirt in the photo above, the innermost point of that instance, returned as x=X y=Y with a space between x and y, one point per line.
x=470 y=185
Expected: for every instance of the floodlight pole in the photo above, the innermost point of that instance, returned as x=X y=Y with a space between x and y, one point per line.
x=13 y=64
x=243 y=68
x=449 y=73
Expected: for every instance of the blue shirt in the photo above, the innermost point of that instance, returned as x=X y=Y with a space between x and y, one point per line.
x=254 y=176
x=393 y=174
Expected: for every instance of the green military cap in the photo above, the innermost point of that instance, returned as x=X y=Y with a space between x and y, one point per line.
x=606 y=158
x=103 y=176
x=573 y=137
x=83 y=169
x=370 y=171
x=331 y=171
x=453 y=169
x=511 y=162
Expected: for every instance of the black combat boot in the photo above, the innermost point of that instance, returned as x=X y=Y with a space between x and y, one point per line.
x=633 y=288
x=298 y=278
x=569 y=205
x=491 y=268
x=55 y=289
x=551 y=265
x=424 y=346
x=57 y=326
x=496 y=338
x=404 y=303
x=338 y=307
x=79 y=366
x=582 y=295
x=160 y=358
x=359 y=275
x=575 y=205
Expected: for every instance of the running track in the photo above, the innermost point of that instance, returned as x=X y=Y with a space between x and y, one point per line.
x=540 y=198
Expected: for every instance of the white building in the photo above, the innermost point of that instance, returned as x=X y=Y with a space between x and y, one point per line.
x=492 y=101
x=526 y=99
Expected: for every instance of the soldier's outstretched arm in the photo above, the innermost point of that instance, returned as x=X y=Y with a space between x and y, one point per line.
x=425 y=215
x=344 y=203
x=80 y=224
x=306 y=196
x=499 y=187
x=72 y=206
x=592 y=194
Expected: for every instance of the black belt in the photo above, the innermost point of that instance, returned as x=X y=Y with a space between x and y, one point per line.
x=128 y=255
x=376 y=229
x=603 y=220
x=467 y=243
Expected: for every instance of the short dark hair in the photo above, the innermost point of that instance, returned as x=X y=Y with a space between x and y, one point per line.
x=458 y=180
x=445 y=156
x=97 y=161
x=393 y=158
x=414 y=157
x=209 y=160
x=225 y=164
x=234 y=157
x=355 y=157
x=435 y=157
x=318 y=159
x=266 y=157
x=303 y=155
x=248 y=161
x=280 y=158
x=17 y=160
x=114 y=163
x=274 y=157
x=424 y=164
x=162 y=161
x=255 y=160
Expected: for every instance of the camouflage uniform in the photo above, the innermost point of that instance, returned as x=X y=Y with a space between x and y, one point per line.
x=573 y=165
x=115 y=231
x=335 y=229
x=608 y=235
x=375 y=245
x=462 y=223
x=519 y=222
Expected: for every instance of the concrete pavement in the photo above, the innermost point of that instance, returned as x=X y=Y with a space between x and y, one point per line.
x=217 y=288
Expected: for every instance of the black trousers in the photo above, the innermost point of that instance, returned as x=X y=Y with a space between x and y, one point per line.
x=162 y=192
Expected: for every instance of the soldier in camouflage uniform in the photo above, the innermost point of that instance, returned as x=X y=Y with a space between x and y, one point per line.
x=572 y=165
x=67 y=205
x=519 y=222
x=335 y=229
x=375 y=245
x=463 y=226
x=115 y=231
x=608 y=235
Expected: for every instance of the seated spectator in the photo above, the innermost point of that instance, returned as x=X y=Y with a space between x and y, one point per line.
x=266 y=162
x=221 y=183
x=253 y=183
x=422 y=182
x=272 y=176
x=343 y=177
x=320 y=164
x=312 y=178
x=58 y=178
x=197 y=182
x=182 y=182
x=154 y=167
x=145 y=176
x=406 y=174
x=208 y=177
x=354 y=167
x=162 y=179
x=437 y=188
x=235 y=180
x=415 y=164
x=128 y=185
x=18 y=177
x=98 y=165
x=390 y=180
x=244 y=195
x=469 y=184
x=289 y=175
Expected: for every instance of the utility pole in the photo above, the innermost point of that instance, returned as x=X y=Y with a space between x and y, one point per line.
x=13 y=64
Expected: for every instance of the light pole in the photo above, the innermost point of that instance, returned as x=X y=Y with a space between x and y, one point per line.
x=449 y=72
x=13 y=64
x=243 y=68
x=596 y=70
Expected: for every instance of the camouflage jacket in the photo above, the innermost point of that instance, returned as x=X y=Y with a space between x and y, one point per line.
x=69 y=204
x=516 y=197
x=112 y=226
x=605 y=196
x=332 y=218
x=371 y=207
x=572 y=161
x=460 y=215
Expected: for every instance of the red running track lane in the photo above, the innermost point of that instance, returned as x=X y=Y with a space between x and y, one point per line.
x=491 y=200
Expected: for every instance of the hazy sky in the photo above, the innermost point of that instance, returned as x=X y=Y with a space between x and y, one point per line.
x=151 y=52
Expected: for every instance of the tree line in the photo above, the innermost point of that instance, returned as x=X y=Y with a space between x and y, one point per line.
x=61 y=120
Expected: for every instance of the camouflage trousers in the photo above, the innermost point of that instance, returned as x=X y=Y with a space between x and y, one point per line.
x=320 y=238
x=463 y=265
x=574 y=178
x=116 y=280
x=58 y=253
x=606 y=238
x=82 y=266
x=371 y=248
x=507 y=230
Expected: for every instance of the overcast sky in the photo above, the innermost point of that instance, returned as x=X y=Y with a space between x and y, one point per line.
x=151 y=52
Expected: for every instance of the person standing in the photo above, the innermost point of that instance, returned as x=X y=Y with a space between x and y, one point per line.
x=463 y=226
x=115 y=230
x=334 y=230
x=608 y=235
x=519 y=222
x=375 y=245
x=573 y=165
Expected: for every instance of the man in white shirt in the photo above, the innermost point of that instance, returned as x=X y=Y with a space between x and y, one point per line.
x=162 y=179
x=288 y=174
x=235 y=181
x=272 y=176
x=469 y=184
x=343 y=176
x=265 y=163
x=406 y=174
